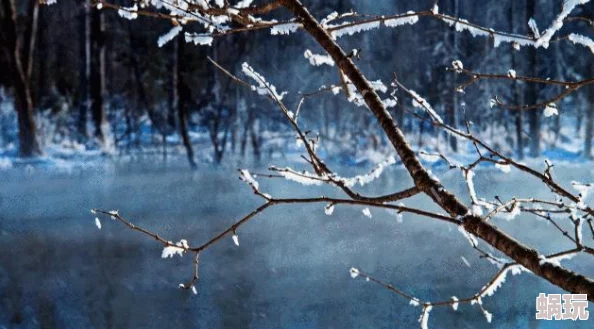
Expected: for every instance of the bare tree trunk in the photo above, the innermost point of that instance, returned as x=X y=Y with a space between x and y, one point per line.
x=85 y=69
x=255 y=140
x=30 y=38
x=534 y=126
x=98 y=75
x=452 y=109
x=245 y=135
x=589 y=121
x=235 y=121
x=28 y=143
x=589 y=126
x=173 y=96
x=183 y=94
x=421 y=131
x=518 y=122
x=519 y=135
x=401 y=112
x=558 y=60
x=451 y=120
x=589 y=114
x=531 y=91
x=43 y=60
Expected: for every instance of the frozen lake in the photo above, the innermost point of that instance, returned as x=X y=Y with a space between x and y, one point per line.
x=57 y=270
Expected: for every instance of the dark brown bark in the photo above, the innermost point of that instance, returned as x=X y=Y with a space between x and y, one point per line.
x=589 y=114
x=85 y=70
x=255 y=141
x=518 y=122
x=245 y=135
x=400 y=113
x=30 y=38
x=520 y=253
x=451 y=120
x=529 y=258
x=217 y=124
x=98 y=75
x=531 y=92
x=452 y=108
x=589 y=122
x=43 y=76
x=519 y=135
x=173 y=96
x=28 y=144
x=183 y=94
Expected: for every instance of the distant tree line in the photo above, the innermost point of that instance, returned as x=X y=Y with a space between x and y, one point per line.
x=94 y=70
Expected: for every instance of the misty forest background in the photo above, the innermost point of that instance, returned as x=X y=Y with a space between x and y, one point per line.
x=87 y=89
x=82 y=79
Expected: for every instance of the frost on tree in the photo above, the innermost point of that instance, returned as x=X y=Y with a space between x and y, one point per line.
x=473 y=214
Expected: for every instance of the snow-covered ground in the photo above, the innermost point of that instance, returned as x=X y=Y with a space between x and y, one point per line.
x=63 y=153
x=69 y=156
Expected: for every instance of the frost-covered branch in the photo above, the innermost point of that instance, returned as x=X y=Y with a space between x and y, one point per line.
x=514 y=208
x=473 y=225
x=568 y=87
x=462 y=25
x=171 y=249
x=322 y=173
x=499 y=158
x=216 y=20
x=488 y=290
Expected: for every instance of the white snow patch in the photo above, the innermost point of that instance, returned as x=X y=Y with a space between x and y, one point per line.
x=329 y=209
x=171 y=250
x=165 y=38
x=284 y=29
x=345 y=29
x=369 y=177
x=500 y=280
x=464 y=25
x=505 y=168
x=318 y=60
x=550 y=110
x=199 y=39
x=410 y=18
x=557 y=24
x=248 y=178
x=581 y=40
x=263 y=88
x=366 y=212
x=420 y=102
x=458 y=66
x=533 y=27
x=424 y=319
x=129 y=12
x=304 y=177
x=471 y=238
x=488 y=315
x=455 y=303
